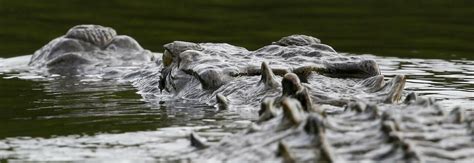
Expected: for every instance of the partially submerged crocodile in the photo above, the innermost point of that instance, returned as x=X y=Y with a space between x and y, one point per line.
x=315 y=104
x=235 y=77
x=207 y=70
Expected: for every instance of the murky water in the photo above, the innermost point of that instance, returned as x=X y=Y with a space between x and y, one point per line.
x=416 y=29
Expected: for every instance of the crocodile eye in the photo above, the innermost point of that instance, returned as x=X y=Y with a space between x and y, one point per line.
x=167 y=58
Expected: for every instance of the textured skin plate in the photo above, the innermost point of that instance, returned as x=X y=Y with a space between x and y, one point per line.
x=87 y=49
x=94 y=34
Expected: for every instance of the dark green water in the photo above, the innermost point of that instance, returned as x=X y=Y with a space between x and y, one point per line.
x=403 y=28
x=73 y=119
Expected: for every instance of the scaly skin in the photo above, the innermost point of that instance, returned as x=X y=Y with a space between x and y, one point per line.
x=201 y=71
x=418 y=131
x=89 y=49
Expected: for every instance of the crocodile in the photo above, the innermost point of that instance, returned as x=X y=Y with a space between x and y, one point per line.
x=89 y=49
x=313 y=103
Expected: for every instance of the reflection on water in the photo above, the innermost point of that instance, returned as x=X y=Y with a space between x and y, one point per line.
x=449 y=82
x=89 y=118
x=61 y=104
